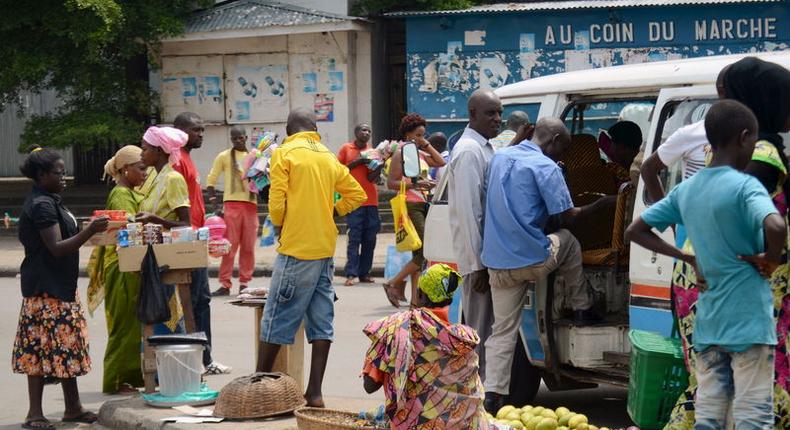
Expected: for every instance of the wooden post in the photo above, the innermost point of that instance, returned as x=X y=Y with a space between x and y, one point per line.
x=290 y=359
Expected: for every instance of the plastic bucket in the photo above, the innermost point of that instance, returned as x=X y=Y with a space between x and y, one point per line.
x=179 y=368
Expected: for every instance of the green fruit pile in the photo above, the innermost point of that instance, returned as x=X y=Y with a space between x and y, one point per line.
x=539 y=418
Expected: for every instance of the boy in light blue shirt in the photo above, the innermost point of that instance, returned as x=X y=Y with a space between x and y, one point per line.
x=738 y=238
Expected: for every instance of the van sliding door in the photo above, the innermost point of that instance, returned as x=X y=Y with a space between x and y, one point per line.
x=651 y=273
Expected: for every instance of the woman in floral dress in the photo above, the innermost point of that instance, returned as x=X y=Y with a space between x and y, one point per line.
x=418 y=356
x=52 y=337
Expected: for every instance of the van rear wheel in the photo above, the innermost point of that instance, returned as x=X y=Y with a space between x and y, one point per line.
x=524 y=377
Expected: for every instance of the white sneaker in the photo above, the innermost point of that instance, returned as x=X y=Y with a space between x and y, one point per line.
x=217 y=368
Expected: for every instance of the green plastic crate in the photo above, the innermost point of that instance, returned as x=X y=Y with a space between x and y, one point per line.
x=658 y=377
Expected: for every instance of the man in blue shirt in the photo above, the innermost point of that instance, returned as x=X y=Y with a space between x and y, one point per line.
x=526 y=198
x=735 y=224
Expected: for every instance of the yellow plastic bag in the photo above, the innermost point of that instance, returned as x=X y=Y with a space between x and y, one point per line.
x=406 y=238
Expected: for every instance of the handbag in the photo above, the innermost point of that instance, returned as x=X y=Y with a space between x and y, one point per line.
x=152 y=305
x=406 y=237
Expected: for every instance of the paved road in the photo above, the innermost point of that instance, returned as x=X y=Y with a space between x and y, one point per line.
x=233 y=328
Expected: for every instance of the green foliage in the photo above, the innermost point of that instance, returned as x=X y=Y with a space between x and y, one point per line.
x=94 y=54
x=377 y=7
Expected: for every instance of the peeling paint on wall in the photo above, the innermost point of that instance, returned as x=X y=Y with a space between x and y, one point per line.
x=442 y=71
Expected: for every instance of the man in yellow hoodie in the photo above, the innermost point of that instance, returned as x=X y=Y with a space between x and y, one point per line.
x=304 y=177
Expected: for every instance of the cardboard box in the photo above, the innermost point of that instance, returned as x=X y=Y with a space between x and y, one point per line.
x=181 y=255
x=107 y=237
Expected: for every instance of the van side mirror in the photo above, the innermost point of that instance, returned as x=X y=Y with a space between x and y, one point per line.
x=411 y=160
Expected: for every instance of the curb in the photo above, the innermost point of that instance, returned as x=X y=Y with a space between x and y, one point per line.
x=213 y=272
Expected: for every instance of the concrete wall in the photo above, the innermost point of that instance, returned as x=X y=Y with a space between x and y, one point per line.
x=347 y=52
x=12 y=125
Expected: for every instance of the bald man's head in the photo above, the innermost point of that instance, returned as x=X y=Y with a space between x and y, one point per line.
x=516 y=119
x=299 y=120
x=485 y=113
x=552 y=137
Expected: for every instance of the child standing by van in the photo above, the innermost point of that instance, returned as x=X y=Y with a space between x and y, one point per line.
x=738 y=237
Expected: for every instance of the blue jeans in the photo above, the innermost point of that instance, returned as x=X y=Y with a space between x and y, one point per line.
x=363 y=226
x=743 y=379
x=300 y=290
x=201 y=309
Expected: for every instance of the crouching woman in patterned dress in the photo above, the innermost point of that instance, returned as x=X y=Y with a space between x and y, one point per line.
x=427 y=366
x=52 y=338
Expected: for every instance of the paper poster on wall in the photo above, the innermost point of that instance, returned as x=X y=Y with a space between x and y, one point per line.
x=455 y=47
x=526 y=43
x=310 y=82
x=335 y=81
x=493 y=72
x=324 y=107
x=475 y=38
x=193 y=83
x=257 y=87
x=581 y=40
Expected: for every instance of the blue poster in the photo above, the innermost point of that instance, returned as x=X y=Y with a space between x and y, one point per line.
x=581 y=40
x=243 y=110
x=335 y=81
x=310 y=82
x=526 y=42
x=189 y=86
x=212 y=86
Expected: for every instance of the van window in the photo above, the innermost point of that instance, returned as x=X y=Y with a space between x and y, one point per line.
x=672 y=117
x=591 y=117
x=531 y=109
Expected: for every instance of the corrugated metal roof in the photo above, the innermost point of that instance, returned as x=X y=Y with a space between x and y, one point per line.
x=566 y=5
x=252 y=14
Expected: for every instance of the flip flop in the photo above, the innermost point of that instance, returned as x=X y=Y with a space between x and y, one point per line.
x=393 y=299
x=86 y=417
x=38 y=424
x=349 y=282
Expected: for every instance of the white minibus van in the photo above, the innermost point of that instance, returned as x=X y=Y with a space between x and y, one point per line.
x=630 y=284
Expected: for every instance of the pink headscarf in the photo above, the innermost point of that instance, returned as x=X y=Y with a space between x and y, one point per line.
x=170 y=139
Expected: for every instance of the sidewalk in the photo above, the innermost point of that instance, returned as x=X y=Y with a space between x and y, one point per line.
x=133 y=414
x=12 y=254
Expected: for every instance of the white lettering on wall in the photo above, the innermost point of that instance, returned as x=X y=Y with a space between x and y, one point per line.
x=728 y=29
x=566 y=34
x=770 y=28
x=595 y=33
x=549 y=36
x=664 y=30
x=740 y=30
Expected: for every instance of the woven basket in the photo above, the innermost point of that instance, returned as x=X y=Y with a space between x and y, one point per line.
x=326 y=419
x=259 y=395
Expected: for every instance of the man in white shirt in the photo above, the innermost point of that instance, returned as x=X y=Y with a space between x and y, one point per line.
x=687 y=144
x=468 y=170
x=515 y=120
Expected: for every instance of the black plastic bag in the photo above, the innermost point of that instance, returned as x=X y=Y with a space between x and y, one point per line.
x=152 y=306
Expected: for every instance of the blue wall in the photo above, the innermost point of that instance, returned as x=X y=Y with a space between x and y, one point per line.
x=445 y=55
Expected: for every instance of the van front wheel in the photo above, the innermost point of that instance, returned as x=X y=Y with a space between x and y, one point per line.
x=524 y=378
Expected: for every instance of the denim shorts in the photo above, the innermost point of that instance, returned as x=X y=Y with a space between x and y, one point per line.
x=300 y=290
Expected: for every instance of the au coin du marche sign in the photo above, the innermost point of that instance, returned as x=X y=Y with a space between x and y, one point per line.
x=657 y=31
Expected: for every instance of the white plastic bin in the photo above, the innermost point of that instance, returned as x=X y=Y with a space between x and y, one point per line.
x=179 y=368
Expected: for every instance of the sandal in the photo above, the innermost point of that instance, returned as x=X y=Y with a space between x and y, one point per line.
x=38 y=424
x=127 y=388
x=86 y=417
x=366 y=280
x=349 y=282
x=391 y=296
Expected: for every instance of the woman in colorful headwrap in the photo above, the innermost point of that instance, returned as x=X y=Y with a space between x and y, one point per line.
x=167 y=202
x=119 y=290
x=427 y=366
x=765 y=88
